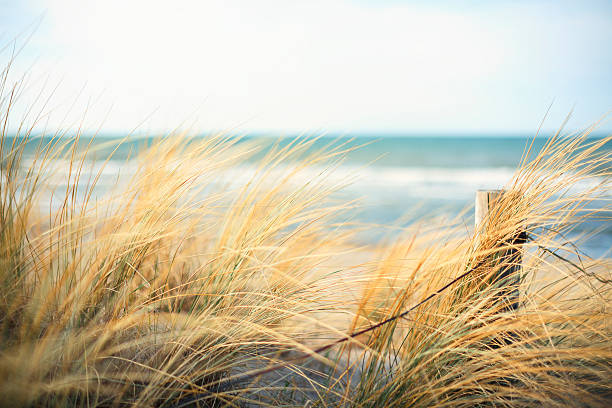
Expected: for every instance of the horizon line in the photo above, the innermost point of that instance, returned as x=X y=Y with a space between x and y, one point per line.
x=331 y=134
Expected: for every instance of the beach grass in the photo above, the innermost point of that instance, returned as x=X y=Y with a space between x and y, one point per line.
x=468 y=346
x=193 y=282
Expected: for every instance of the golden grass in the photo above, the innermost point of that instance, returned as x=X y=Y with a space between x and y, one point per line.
x=192 y=283
x=466 y=346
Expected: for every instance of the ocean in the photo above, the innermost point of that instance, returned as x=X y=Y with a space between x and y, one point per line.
x=399 y=180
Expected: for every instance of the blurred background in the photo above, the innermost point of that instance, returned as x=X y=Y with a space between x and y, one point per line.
x=449 y=92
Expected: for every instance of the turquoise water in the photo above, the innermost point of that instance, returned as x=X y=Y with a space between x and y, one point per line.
x=400 y=180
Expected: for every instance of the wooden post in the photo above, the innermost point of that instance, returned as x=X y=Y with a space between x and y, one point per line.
x=509 y=254
x=484 y=199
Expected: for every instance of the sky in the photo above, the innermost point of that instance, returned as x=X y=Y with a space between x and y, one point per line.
x=348 y=66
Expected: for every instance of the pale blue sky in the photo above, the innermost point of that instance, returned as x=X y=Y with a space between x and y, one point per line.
x=319 y=65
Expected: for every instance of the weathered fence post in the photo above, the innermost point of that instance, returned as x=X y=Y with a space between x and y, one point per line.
x=509 y=255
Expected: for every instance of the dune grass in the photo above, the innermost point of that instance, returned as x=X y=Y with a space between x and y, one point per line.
x=467 y=347
x=194 y=282
x=149 y=295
